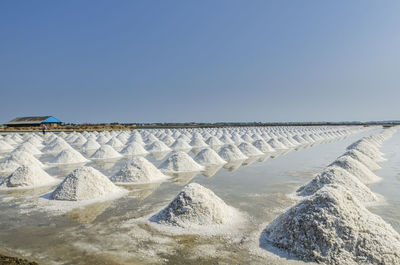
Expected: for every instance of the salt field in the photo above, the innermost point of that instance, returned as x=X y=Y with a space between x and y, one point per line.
x=233 y=195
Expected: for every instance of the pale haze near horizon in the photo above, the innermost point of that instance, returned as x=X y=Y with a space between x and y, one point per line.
x=202 y=61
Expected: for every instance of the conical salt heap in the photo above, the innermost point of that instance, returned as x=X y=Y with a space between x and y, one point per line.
x=134 y=149
x=357 y=169
x=137 y=171
x=84 y=183
x=180 y=144
x=180 y=162
x=27 y=176
x=90 y=144
x=196 y=205
x=208 y=156
x=214 y=141
x=106 y=152
x=231 y=153
x=274 y=143
x=4 y=146
x=368 y=149
x=158 y=146
x=69 y=156
x=263 y=146
x=364 y=159
x=332 y=227
x=249 y=149
x=334 y=175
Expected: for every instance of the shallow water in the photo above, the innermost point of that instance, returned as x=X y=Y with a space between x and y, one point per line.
x=104 y=233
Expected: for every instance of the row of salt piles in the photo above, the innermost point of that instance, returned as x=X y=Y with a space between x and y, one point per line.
x=331 y=224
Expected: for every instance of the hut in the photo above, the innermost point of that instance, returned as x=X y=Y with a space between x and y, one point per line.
x=50 y=121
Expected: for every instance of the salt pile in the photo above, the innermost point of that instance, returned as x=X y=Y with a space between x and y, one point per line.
x=231 y=153
x=4 y=146
x=180 y=145
x=91 y=144
x=214 y=141
x=249 y=149
x=274 y=143
x=368 y=149
x=85 y=183
x=69 y=156
x=335 y=175
x=29 y=176
x=56 y=147
x=300 y=139
x=158 y=146
x=139 y=170
x=106 y=152
x=30 y=148
x=364 y=159
x=115 y=143
x=357 y=169
x=180 y=162
x=208 y=156
x=198 y=142
x=25 y=158
x=9 y=165
x=226 y=139
x=195 y=206
x=134 y=149
x=263 y=146
x=285 y=142
x=333 y=227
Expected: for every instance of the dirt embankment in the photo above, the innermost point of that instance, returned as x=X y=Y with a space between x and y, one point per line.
x=5 y=260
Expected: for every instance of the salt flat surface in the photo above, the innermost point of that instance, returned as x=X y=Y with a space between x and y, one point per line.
x=106 y=231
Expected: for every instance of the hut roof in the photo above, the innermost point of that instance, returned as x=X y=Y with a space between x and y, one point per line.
x=33 y=120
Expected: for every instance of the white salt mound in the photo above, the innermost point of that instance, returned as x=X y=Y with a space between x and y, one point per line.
x=91 y=144
x=180 y=144
x=335 y=175
x=158 y=146
x=180 y=162
x=263 y=146
x=357 y=169
x=138 y=170
x=196 y=205
x=274 y=143
x=214 y=141
x=4 y=146
x=249 y=149
x=69 y=156
x=27 y=176
x=334 y=228
x=198 y=142
x=9 y=165
x=208 y=156
x=231 y=153
x=106 y=152
x=25 y=158
x=134 y=149
x=364 y=159
x=84 y=183
x=368 y=149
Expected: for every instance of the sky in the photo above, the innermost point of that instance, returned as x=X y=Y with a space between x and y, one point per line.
x=203 y=61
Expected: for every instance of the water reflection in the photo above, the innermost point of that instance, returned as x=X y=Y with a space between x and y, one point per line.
x=211 y=170
x=182 y=178
x=233 y=165
x=159 y=155
x=89 y=213
x=142 y=191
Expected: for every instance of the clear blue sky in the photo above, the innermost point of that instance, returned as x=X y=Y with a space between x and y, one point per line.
x=189 y=60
